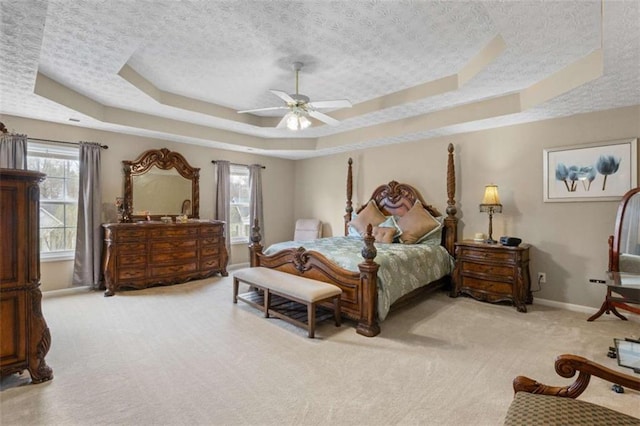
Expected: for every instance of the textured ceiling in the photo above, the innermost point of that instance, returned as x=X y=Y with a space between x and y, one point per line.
x=179 y=70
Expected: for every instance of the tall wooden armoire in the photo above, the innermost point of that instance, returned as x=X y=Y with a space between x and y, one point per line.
x=24 y=335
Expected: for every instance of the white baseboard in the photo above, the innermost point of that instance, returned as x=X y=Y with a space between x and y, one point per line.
x=237 y=266
x=564 y=305
x=579 y=308
x=65 y=291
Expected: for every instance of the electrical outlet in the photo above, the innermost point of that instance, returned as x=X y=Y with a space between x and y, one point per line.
x=542 y=277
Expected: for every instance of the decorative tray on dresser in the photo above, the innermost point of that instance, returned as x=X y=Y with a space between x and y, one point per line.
x=493 y=273
x=143 y=254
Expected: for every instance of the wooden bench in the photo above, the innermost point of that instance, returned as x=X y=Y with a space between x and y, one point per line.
x=291 y=287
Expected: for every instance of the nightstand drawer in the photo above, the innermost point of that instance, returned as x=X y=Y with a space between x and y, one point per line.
x=493 y=255
x=495 y=287
x=492 y=270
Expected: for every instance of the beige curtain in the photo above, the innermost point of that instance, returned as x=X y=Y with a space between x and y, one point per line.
x=13 y=151
x=86 y=267
x=223 y=199
x=255 y=203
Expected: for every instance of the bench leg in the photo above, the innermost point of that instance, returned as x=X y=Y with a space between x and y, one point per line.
x=235 y=290
x=311 y=317
x=336 y=310
x=267 y=302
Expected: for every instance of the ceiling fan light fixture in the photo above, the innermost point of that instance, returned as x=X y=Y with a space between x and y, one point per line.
x=297 y=121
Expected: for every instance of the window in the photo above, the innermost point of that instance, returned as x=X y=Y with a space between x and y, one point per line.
x=240 y=197
x=58 y=198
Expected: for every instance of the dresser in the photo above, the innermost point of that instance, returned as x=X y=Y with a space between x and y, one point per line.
x=493 y=273
x=140 y=255
x=24 y=335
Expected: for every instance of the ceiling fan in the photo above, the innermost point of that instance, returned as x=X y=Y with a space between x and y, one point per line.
x=300 y=107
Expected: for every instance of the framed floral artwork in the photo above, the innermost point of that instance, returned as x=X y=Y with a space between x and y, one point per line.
x=602 y=171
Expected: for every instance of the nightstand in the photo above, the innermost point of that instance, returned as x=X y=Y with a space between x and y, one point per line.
x=493 y=273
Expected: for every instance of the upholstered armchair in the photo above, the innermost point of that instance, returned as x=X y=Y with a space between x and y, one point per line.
x=307 y=229
x=538 y=404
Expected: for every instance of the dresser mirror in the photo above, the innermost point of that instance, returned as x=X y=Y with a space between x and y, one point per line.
x=624 y=244
x=160 y=183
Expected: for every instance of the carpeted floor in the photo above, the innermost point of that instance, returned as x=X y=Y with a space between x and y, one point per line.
x=186 y=355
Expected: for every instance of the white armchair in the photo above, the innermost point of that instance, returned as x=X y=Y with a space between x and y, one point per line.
x=307 y=229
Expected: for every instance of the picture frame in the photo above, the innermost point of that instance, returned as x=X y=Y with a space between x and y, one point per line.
x=602 y=171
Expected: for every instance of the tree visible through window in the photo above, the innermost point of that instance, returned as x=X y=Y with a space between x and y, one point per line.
x=58 y=197
x=239 y=227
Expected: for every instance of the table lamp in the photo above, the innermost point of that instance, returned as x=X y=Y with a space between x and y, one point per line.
x=491 y=204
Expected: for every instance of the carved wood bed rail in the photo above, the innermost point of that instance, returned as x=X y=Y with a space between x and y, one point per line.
x=359 y=297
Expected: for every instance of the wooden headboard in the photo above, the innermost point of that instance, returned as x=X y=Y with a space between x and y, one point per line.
x=397 y=198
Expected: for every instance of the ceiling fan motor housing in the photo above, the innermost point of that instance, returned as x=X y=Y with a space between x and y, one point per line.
x=300 y=99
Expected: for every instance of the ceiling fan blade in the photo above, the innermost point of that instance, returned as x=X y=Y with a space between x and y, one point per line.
x=283 y=95
x=324 y=118
x=337 y=103
x=283 y=123
x=263 y=109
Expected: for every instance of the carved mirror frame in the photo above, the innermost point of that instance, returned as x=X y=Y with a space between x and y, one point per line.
x=615 y=239
x=163 y=159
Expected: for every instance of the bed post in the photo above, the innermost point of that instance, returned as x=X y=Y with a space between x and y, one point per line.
x=349 y=208
x=368 y=323
x=255 y=248
x=451 y=221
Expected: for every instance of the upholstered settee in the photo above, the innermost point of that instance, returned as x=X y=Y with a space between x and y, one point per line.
x=538 y=404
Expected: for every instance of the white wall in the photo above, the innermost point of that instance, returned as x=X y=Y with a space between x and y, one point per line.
x=277 y=180
x=569 y=239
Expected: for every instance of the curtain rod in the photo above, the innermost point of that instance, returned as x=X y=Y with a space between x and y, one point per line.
x=236 y=164
x=63 y=142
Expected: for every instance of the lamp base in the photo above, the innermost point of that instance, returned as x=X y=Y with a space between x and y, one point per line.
x=490 y=241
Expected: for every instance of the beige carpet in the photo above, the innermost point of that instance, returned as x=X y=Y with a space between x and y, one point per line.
x=186 y=355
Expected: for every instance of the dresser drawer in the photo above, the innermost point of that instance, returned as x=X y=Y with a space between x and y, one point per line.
x=211 y=241
x=213 y=263
x=494 y=255
x=498 y=271
x=127 y=248
x=135 y=258
x=174 y=269
x=127 y=274
x=173 y=245
x=210 y=251
x=496 y=287
x=130 y=234
x=211 y=230
x=171 y=257
x=174 y=231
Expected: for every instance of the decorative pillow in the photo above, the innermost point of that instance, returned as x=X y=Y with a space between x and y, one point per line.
x=390 y=222
x=383 y=234
x=369 y=215
x=416 y=224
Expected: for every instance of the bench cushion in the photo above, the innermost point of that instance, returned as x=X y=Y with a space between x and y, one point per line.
x=301 y=288
x=530 y=409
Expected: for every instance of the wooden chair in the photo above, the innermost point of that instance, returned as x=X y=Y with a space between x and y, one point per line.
x=538 y=404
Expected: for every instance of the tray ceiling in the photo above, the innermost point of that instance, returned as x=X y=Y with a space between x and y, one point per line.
x=413 y=69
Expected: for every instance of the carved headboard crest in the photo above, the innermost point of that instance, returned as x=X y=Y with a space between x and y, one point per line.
x=397 y=198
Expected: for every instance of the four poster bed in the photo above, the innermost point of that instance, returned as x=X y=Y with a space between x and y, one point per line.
x=391 y=272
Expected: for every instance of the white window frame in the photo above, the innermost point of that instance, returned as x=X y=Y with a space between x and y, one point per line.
x=239 y=170
x=37 y=149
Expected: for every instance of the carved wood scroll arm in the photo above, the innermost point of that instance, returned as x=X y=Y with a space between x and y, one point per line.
x=567 y=366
